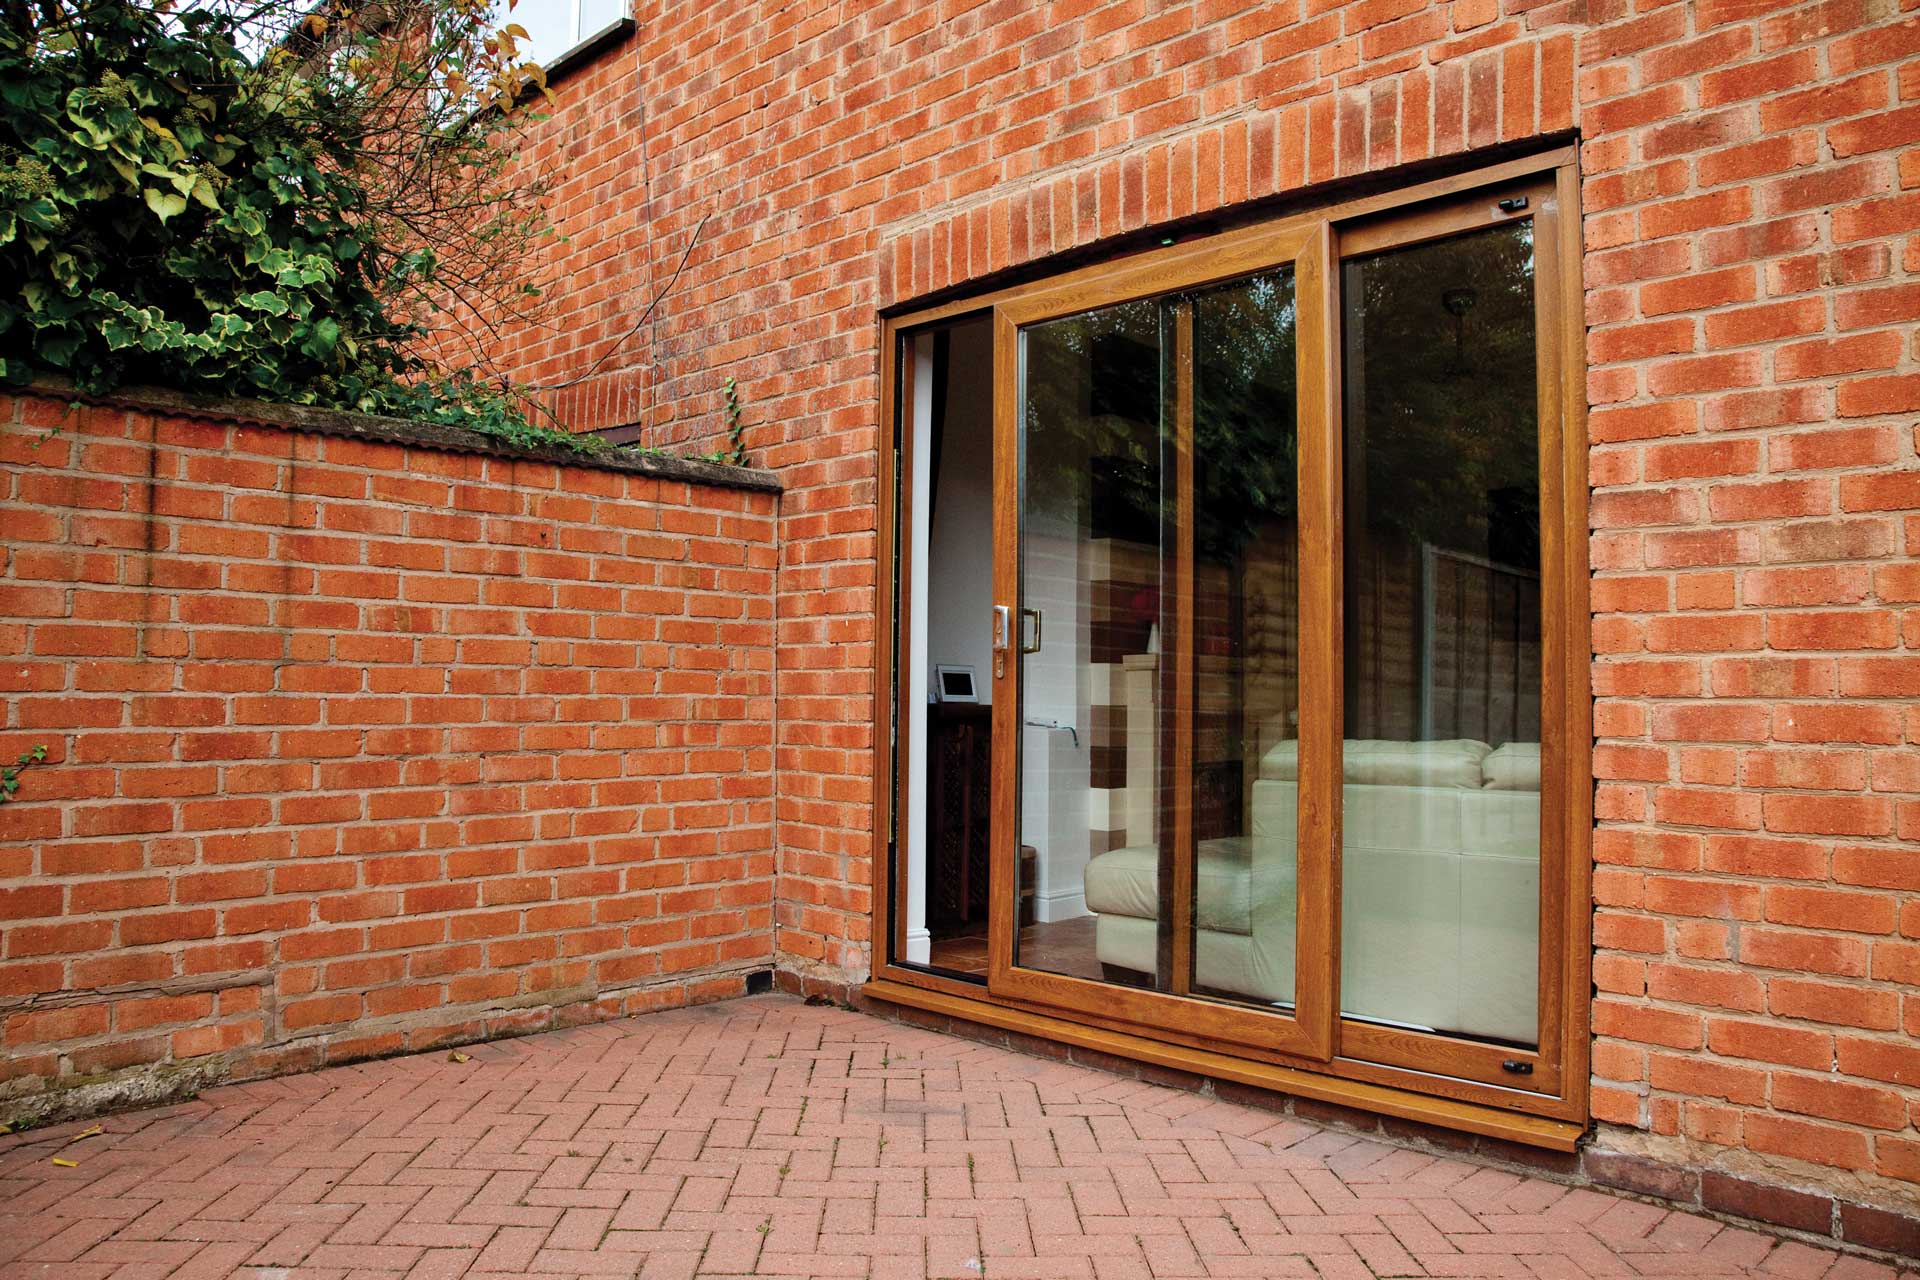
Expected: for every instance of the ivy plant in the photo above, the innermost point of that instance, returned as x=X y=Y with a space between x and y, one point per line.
x=10 y=776
x=275 y=202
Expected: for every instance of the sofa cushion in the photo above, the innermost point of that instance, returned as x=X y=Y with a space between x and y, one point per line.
x=1455 y=762
x=1440 y=906
x=1126 y=882
x=1512 y=767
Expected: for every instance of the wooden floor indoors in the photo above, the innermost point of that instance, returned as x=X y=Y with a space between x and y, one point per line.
x=1065 y=946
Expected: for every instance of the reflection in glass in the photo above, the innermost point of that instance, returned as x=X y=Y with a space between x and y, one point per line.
x=1441 y=842
x=1100 y=394
x=1246 y=633
x=1092 y=474
x=597 y=15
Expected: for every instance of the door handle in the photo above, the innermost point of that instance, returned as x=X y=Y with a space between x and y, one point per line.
x=1002 y=627
x=1037 y=620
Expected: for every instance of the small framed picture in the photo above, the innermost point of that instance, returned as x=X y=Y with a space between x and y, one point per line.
x=955 y=684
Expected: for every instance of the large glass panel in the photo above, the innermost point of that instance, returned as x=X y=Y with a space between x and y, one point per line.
x=1091 y=546
x=1441 y=848
x=1246 y=640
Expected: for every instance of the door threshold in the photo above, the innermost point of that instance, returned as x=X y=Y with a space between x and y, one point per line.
x=1448 y=1113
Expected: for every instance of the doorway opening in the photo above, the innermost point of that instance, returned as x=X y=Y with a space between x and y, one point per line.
x=1236 y=656
x=946 y=656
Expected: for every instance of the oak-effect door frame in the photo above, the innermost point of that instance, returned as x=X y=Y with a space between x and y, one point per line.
x=1447 y=1081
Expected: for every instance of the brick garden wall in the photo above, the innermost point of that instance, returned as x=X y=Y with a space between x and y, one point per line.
x=356 y=746
x=1751 y=195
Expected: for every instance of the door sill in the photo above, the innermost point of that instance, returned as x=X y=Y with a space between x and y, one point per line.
x=1449 y=1113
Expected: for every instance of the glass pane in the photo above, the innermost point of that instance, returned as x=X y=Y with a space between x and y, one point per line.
x=597 y=15
x=549 y=25
x=1091 y=876
x=1246 y=640
x=1441 y=853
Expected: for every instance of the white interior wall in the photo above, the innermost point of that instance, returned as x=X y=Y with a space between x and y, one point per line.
x=1055 y=772
x=913 y=713
x=952 y=598
x=959 y=562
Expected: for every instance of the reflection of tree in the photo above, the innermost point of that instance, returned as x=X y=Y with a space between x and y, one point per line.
x=1092 y=406
x=1440 y=425
x=1099 y=394
x=1096 y=398
x=1245 y=412
x=1445 y=397
x=1441 y=440
x=1447 y=400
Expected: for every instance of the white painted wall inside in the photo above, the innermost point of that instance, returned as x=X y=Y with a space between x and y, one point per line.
x=959 y=560
x=1057 y=686
x=913 y=714
x=953 y=583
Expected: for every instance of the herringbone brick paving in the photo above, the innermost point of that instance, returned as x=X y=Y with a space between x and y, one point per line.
x=763 y=1137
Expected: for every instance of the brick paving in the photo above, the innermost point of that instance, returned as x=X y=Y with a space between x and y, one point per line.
x=763 y=1137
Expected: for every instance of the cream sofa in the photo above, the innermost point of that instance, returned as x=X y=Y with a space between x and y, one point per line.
x=1440 y=888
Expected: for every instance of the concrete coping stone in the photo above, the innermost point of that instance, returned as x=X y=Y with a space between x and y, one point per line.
x=407 y=431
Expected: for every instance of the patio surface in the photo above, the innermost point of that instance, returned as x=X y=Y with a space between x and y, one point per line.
x=763 y=1137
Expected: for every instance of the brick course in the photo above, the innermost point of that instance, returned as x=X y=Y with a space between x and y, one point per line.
x=1753 y=458
x=357 y=746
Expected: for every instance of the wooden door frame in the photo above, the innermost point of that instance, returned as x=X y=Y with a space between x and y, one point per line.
x=1303 y=246
x=1396 y=1087
x=1543 y=1066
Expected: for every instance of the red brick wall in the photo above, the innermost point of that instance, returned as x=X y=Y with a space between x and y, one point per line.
x=1753 y=285
x=1752 y=196
x=355 y=747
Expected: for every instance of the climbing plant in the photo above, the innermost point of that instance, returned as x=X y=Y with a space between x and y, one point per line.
x=285 y=200
x=736 y=452
x=10 y=776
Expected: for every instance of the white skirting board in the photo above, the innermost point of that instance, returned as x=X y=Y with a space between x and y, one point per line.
x=1065 y=904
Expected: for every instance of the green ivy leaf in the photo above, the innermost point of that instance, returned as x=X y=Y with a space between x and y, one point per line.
x=321 y=339
x=167 y=135
x=163 y=204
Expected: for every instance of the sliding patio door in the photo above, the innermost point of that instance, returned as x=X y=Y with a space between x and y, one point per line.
x=1290 y=731
x=1456 y=561
x=1149 y=451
